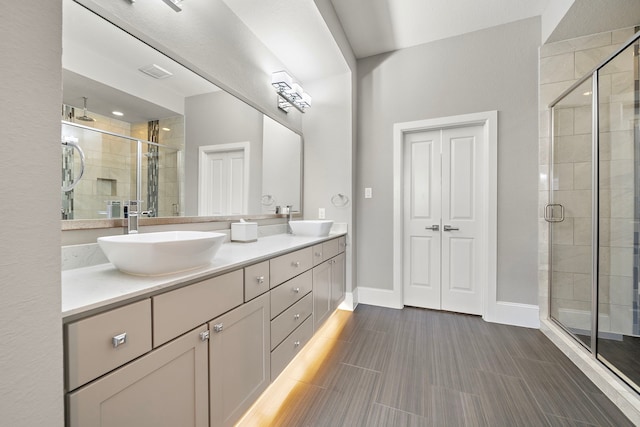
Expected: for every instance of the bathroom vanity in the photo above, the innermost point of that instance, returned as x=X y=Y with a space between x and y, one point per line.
x=195 y=348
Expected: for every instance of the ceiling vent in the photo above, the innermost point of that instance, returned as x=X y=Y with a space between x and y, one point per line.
x=155 y=71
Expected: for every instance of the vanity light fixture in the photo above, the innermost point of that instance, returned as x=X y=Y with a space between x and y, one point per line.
x=289 y=93
x=174 y=4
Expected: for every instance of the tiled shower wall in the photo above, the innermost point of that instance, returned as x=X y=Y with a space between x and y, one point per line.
x=110 y=172
x=108 y=167
x=561 y=64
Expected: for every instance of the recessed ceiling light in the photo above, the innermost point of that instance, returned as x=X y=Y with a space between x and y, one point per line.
x=117 y=113
x=166 y=129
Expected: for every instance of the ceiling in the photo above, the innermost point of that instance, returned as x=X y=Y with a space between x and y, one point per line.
x=378 y=26
x=96 y=51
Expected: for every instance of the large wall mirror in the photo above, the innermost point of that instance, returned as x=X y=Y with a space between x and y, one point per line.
x=139 y=126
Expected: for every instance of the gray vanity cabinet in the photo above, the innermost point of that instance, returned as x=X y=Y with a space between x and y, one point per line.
x=144 y=364
x=321 y=293
x=329 y=280
x=167 y=387
x=338 y=276
x=239 y=348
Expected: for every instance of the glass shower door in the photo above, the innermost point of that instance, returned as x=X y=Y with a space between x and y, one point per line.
x=570 y=213
x=619 y=214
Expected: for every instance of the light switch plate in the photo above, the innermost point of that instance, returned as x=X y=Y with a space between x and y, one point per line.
x=321 y=213
x=368 y=193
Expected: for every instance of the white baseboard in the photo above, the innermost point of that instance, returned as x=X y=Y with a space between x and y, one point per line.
x=508 y=313
x=511 y=313
x=380 y=297
x=350 y=301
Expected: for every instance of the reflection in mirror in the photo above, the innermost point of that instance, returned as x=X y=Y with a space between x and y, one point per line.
x=203 y=151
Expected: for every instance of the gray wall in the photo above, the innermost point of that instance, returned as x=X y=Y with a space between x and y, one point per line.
x=328 y=144
x=30 y=319
x=493 y=69
x=219 y=118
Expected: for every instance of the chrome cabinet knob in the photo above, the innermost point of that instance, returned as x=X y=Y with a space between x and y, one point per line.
x=218 y=328
x=296 y=344
x=296 y=316
x=295 y=264
x=260 y=279
x=119 y=340
x=296 y=290
x=204 y=336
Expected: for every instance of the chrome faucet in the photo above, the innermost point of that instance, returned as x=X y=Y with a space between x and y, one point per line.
x=289 y=210
x=132 y=215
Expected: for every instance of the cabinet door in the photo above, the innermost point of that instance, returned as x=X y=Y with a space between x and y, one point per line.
x=338 y=270
x=321 y=292
x=167 y=387
x=239 y=360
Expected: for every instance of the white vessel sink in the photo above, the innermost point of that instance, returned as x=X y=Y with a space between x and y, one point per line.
x=314 y=228
x=154 y=254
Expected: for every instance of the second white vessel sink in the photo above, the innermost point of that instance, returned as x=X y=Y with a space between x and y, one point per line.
x=154 y=254
x=314 y=228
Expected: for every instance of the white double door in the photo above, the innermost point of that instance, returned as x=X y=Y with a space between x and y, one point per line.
x=442 y=233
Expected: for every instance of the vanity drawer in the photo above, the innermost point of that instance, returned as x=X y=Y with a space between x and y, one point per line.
x=330 y=249
x=290 y=265
x=317 y=254
x=290 y=319
x=285 y=295
x=182 y=310
x=256 y=280
x=99 y=344
x=287 y=350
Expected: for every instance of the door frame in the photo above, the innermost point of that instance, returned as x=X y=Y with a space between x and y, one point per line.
x=489 y=187
x=204 y=151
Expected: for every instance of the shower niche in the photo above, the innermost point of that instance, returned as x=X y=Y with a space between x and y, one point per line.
x=594 y=212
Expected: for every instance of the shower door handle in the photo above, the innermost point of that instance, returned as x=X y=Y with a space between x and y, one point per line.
x=548 y=212
x=73 y=143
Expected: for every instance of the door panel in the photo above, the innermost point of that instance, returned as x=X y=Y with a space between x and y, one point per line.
x=461 y=271
x=461 y=205
x=224 y=192
x=461 y=182
x=421 y=213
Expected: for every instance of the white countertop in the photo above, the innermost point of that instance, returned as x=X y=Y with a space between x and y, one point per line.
x=88 y=289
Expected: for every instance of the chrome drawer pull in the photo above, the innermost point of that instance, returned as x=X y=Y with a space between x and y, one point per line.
x=260 y=279
x=295 y=264
x=450 y=228
x=119 y=340
x=296 y=290
x=318 y=254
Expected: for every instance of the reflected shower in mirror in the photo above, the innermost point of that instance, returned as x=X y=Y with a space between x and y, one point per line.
x=203 y=151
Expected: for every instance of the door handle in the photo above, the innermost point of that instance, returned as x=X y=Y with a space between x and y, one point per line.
x=450 y=228
x=433 y=228
x=548 y=213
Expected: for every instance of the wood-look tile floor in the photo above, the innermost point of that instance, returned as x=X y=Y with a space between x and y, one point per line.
x=415 y=367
